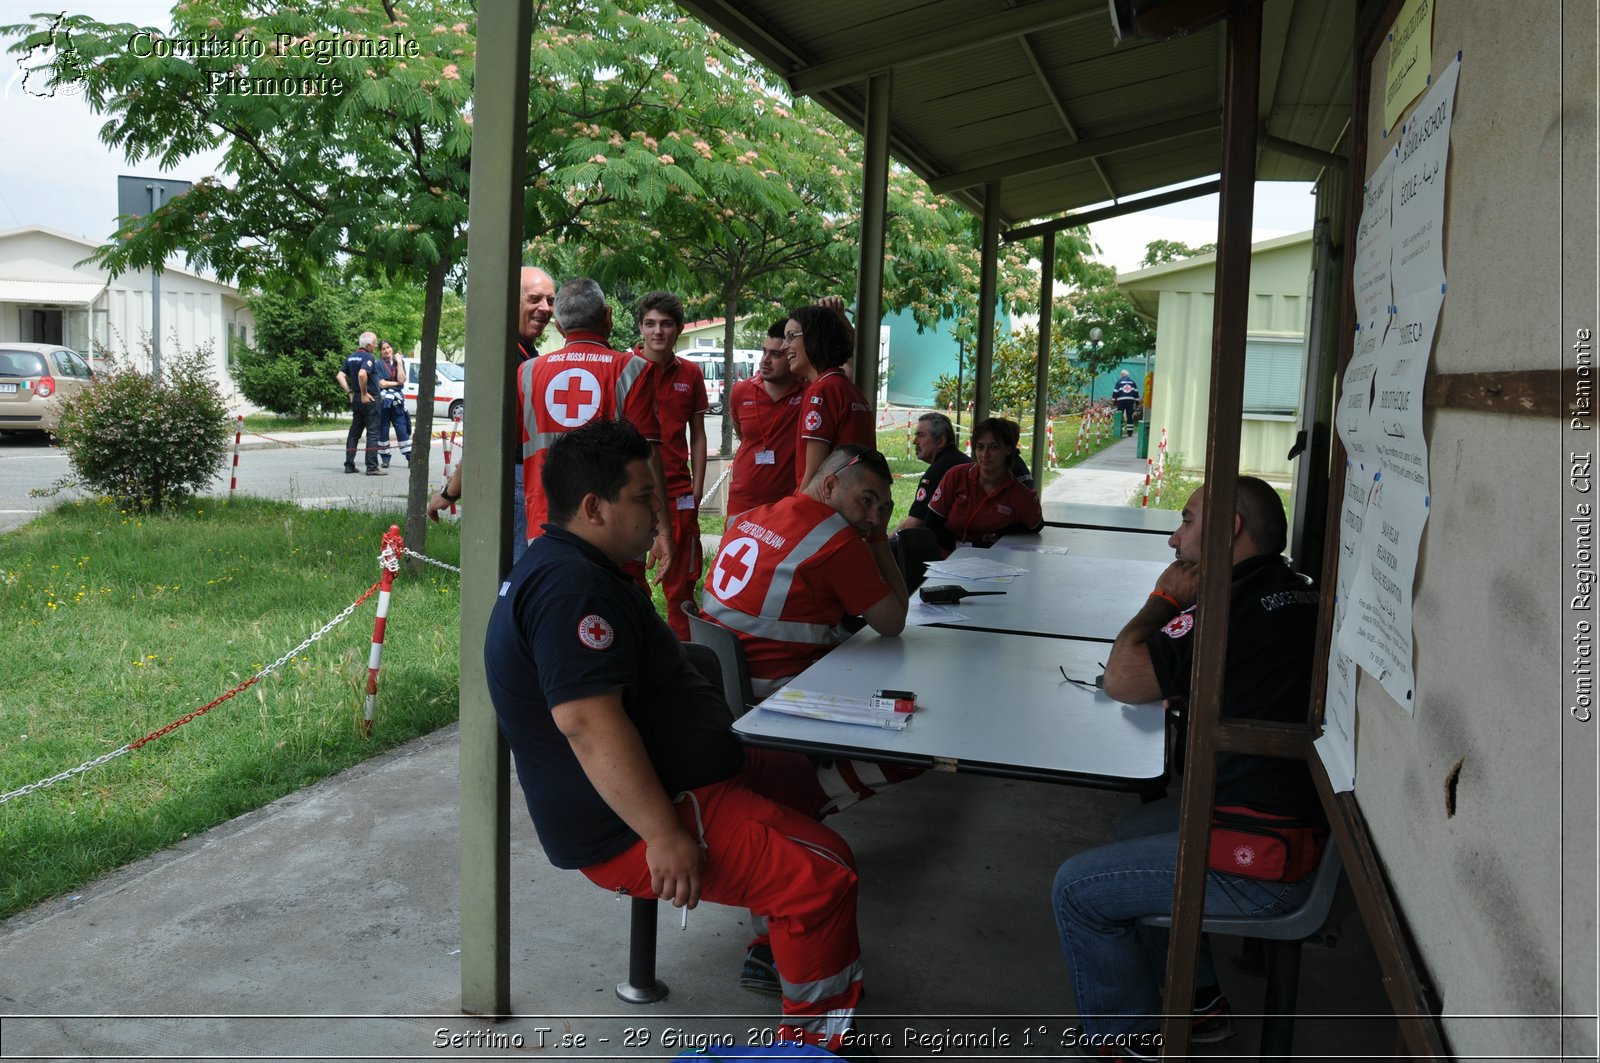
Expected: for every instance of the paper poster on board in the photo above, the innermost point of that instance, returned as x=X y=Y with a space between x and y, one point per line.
x=1376 y=632
x=1352 y=418
x=1337 y=745
x=1394 y=426
x=1421 y=165
x=1410 y=58
x=1370 y=271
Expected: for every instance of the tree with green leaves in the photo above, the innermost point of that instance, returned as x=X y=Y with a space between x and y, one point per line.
x=1013 y=383
x=300 y=344
x=1158 y=251
x=1097 y=319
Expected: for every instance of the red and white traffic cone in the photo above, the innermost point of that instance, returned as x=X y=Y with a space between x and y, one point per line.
x=389 y=560
x=238 y=430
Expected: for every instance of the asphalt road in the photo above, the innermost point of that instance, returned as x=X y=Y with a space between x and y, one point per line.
x=311 y=473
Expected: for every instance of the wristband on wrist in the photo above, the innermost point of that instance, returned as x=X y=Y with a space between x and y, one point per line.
x=444 y=493
x=1164 y=596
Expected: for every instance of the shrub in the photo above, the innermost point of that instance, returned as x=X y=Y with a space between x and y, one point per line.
x=299 y=348
x=144 y=443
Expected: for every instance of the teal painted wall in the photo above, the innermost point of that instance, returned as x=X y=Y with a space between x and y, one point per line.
x=917 y=359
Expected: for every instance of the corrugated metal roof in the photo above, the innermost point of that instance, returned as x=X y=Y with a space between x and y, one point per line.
x=983 y=87
x=46 y=293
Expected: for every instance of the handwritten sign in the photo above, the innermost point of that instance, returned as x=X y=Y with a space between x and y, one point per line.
x=1410 y=58
x=1373 y=289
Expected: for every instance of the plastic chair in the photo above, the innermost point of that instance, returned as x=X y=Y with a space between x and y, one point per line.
x=1316 y=919
x=642 y=986
x=734 y=669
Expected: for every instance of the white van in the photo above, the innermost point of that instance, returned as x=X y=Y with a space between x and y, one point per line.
x=710 y=363
x=449 y=388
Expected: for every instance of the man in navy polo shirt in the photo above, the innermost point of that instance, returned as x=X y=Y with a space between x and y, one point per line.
x=624 y=751
x=1117 y=965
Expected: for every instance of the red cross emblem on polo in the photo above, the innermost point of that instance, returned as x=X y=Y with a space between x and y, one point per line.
x=735 y=565
x=572 y=397
x=595 y=632
x=813 y=420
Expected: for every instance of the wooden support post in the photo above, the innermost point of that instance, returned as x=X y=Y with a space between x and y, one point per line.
x=1239 y=123
x=874 y=218
x=988 y=290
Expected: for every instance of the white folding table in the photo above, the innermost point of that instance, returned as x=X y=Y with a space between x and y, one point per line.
x=1063 y=596
x=987 y=702
x=1113 y=518
x=1095 y=542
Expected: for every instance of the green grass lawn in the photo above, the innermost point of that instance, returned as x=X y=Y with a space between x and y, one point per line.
x=271 y=423
x=117 y=623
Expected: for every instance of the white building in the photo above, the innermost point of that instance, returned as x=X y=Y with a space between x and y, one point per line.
x=49 y=294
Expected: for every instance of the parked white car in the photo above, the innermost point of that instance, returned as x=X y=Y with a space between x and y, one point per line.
x=744 y=365
x=449 y=389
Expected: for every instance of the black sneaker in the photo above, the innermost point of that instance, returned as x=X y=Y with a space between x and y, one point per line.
x=377 y=472
x=759 y=973
x=1213 y=1018
x=351 y=468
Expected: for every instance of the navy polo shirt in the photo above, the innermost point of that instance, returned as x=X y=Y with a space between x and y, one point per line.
x=942 y=462
x=1271 y=643
x=356 y=361
x=570 y=624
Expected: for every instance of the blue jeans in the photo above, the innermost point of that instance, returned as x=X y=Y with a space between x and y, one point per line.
x=1117 y=966
x=519 y=515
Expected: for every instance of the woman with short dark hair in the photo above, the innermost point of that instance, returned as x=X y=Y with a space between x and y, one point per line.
x=833 y=411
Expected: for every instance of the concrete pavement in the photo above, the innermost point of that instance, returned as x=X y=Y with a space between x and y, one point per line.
x=326 y=926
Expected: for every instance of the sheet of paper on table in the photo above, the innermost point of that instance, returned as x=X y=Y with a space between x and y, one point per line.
x=920 y=614
x=1037 y=548
x=835 y=707
x=971 y=568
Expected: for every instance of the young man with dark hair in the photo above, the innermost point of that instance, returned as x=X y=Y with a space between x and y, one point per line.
x=766 y=410
x=1117 y=966
x=624 y=751
x=681 y=405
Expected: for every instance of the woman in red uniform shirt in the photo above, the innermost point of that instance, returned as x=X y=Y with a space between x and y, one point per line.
x=979 y=502
x=832 y=412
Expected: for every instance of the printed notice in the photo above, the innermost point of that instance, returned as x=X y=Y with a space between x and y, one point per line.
x=1353 y=417
x=1421 y=160
x=1376 y=632
x=1410 y=58
x=1371 y=279
x=1394 y=428
x=1337 y=746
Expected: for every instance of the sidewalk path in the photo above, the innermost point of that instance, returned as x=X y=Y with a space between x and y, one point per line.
x=1105 y=479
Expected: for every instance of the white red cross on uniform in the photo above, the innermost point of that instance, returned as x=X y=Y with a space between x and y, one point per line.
x=735 y=565
x=572 y=397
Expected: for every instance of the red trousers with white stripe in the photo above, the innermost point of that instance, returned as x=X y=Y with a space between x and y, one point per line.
x=779 y=862
x=684 y=572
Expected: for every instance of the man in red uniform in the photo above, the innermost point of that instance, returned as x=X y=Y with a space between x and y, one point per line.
x=789 y=573
x=581 y=382
x=765 y=410
x=681 y=405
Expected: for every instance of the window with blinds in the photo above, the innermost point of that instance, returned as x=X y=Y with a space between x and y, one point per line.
x=1272 y=376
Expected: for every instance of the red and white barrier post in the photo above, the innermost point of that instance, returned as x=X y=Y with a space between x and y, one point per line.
x=389 y=560
x=448 y=438
x=238 y=430
x=1148 y=465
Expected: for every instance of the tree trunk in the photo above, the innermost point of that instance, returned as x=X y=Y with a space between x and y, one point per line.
x=420 y=487
x=730 y=325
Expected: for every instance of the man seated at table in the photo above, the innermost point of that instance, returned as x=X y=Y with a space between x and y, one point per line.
x=789 y=573
x=1116 y=965
x=935 y=442
x=624 y=751
x=979 y=502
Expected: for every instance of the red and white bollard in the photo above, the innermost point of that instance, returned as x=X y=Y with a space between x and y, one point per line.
x=1050 y=437
x=238 y=430
x=449 y=439
x=1145 y=501
x=389 y=560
